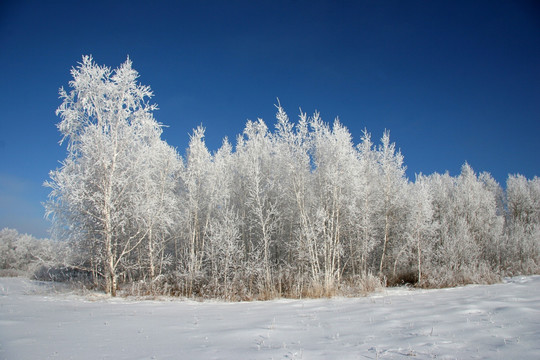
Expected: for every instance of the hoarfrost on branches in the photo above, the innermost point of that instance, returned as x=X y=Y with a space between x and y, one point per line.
x=297 y=210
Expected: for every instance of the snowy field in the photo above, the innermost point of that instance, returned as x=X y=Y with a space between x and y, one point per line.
x=42 y=321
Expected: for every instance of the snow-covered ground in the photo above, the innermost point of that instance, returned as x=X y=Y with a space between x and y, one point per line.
x=42 y=321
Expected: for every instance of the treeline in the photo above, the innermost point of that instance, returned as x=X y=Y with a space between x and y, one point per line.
x=25 y=255
x=299 y=210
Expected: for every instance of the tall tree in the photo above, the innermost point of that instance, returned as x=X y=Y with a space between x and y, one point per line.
x=293 y=146
x=196 y=204
x=367 y=205
x=107 y=122
x=335 y=160
x=224 y=250
x=156 y=206
x=255 y=151
x=393 y=184
x=421 y=229
x=477 y=206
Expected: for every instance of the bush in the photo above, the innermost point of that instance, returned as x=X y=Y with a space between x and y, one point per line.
x=62 y=273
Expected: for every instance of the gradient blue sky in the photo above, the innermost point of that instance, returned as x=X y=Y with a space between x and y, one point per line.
x=453 y=81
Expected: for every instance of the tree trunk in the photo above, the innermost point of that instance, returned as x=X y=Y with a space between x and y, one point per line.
x=419 y=257
x=384 y=245
x=111 y=272
x=151 y=255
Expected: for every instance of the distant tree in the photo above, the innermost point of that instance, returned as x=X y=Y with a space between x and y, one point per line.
x=523 y=224
x=24 y=253
x=8 y=246
x=468 y=227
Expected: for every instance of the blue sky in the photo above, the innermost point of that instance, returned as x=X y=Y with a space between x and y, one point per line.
x=453 y=81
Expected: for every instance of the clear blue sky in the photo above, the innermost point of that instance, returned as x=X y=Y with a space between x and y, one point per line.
x=453 y=81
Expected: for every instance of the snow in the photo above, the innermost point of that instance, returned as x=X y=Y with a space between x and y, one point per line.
x=48 y=321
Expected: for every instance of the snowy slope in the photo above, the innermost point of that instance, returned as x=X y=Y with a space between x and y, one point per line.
x=39 y=321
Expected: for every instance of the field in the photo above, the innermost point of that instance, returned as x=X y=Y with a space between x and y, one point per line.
x=50 y=321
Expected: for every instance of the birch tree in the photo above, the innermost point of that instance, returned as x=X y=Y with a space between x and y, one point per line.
x=393 y=186
x=334 y=178
x=368 y=202
x=105 y=120
x=477 y=205
x=421 y=229
x=224 y=248
x=256 y=164
x=156 y=206
x=196 y=205
x=523 y=224
x=293 y=146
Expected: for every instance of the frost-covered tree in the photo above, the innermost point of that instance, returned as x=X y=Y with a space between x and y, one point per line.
x=292 y=150
x=109 y=128
x=196 y=205
x=468 y=227
x=522 y=224
x=8 y=248
x=420 y=229
x=24 y=254
x=156 y=206
x=335 y=171
x=392 y=215
x=477 y=205
x=224 y=249
x=447 y=253
x=256 y=164
x=368 y=203
x=298 y=210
